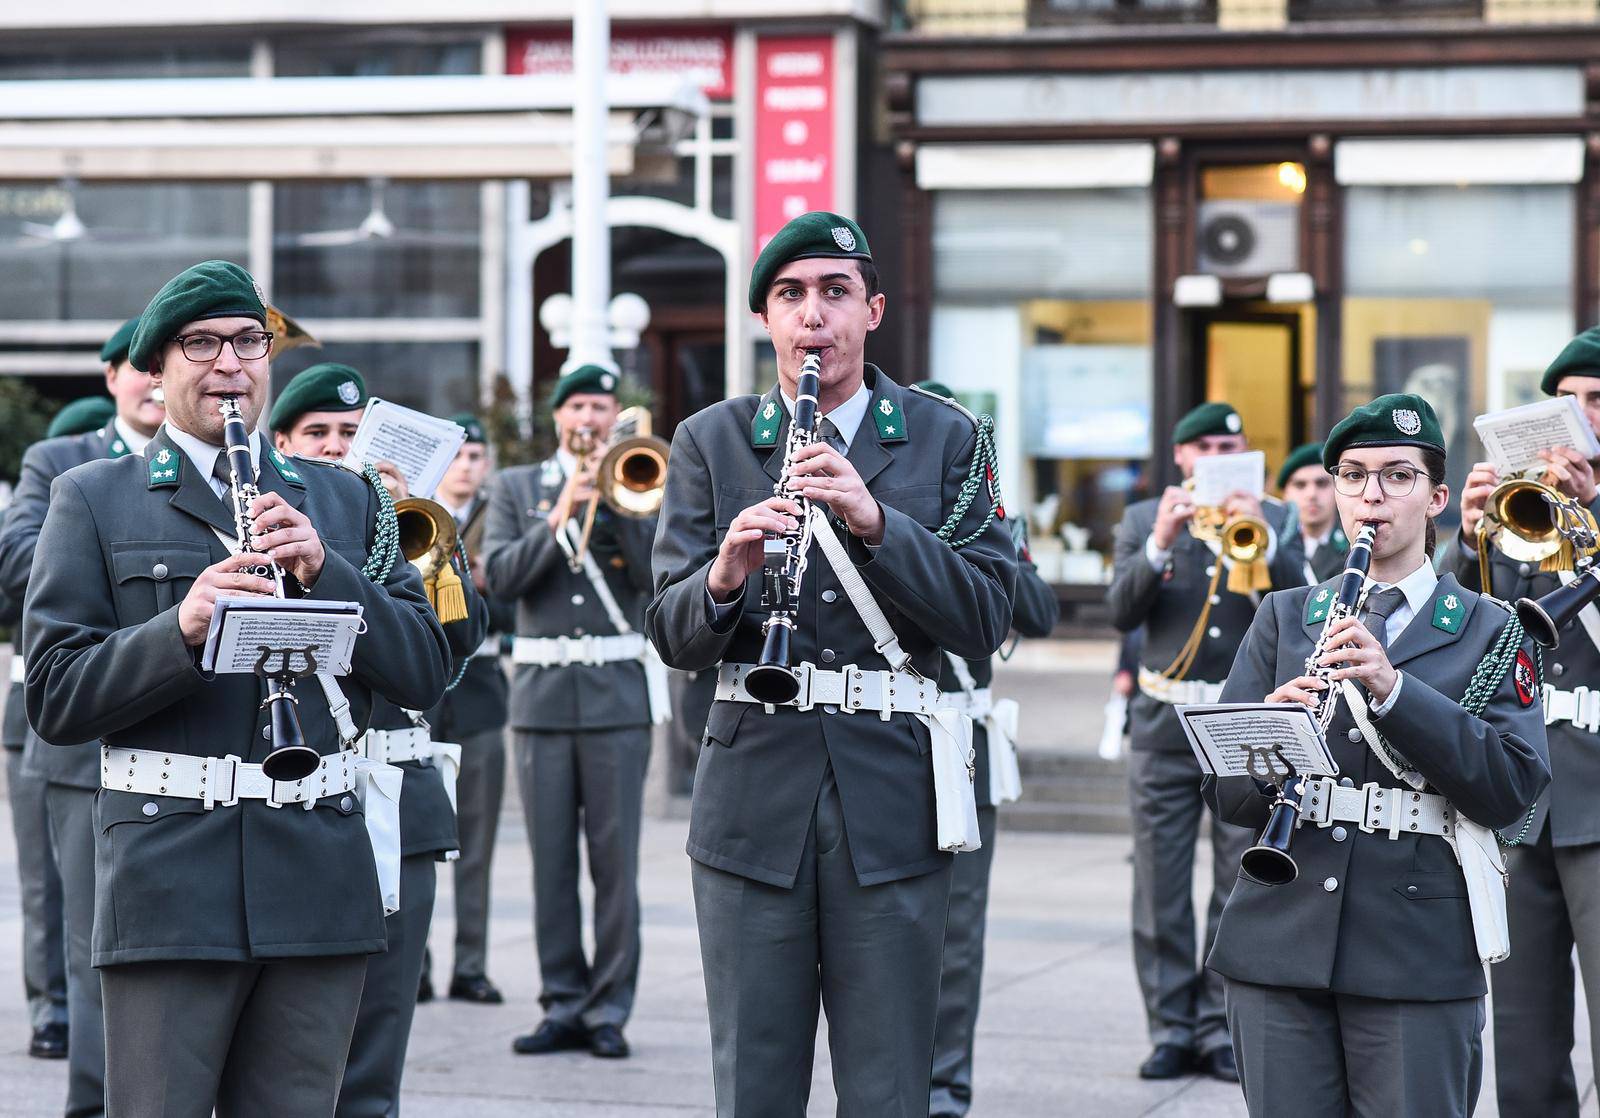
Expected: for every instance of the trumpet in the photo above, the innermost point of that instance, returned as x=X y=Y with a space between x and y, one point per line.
x=290 y=757
x=1532 y=522
x=428 y=538
x=1269 y=862
x=1243 y=540
x=630 y=476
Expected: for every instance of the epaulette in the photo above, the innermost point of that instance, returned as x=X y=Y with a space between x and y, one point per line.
x=946 y=401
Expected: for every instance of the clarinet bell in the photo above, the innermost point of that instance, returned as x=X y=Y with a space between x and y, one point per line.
x=772 y=680
x=1268 y=862
x=1545 y=617
x=291 y=758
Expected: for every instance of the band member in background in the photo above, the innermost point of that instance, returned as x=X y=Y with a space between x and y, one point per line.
x=71 y=777
x=1357 y=988
x=581 y=711
x=1170 y=582
x=966 y=684
x=1309 y=488
x=231 y=935
x=312 y=419
x=1554 y=898
x=473 y=715
x=818 y=877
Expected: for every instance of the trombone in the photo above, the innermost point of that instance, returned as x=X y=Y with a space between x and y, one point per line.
x=630 y=477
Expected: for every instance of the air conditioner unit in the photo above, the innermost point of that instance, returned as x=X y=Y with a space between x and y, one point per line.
x=1248 y=238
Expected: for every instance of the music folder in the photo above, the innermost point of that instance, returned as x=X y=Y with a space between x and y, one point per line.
x=1256 y=739
x=266 y=636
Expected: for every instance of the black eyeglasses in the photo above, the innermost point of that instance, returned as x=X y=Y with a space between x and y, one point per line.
x=1395 y=481
x=248 y=346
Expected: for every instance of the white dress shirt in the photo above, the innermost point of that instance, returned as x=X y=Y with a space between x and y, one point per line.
x=134 y=441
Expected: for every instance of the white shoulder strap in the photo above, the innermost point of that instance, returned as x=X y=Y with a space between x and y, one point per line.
x=963 y=673
x=855 y=587
x=597 y=581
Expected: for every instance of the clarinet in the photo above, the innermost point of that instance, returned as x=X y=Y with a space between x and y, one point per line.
x=773 y=679
x=1268 y=862
x=290 y=757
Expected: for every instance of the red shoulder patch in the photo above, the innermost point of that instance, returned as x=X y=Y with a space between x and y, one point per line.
x=1525 y=680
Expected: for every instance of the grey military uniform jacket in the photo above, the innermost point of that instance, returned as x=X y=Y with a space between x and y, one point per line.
x=1570 y=804
x=1034 y=613
x=759 y=774
x=14 y=726
x=1168 y=602
x=106 y=660
x=1328 y=560
x=479 y=701
x=43 y=462
x=1395 y=923
x=523 y=562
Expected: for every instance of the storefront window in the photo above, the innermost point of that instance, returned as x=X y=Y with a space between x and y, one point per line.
x=440 y=378
x=1042 y=318
x=1461 y=294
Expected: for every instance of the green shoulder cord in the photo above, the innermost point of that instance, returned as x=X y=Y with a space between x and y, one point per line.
x=985 y=468
x=1486 y=681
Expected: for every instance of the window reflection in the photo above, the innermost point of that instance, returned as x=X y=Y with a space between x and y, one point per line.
x=440 y=378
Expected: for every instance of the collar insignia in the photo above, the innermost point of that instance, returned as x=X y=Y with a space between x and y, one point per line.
x=891 y=424
x=1448 y=613
x=1318 y=605
x=163 y=475
x=764 y=427
x=163 y=457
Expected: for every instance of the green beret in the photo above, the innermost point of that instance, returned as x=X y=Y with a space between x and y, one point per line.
x=88 y=414
x=1581 y=358
x=323 y=387
x=937 y=388
x=214 y=289
x=1215 y=418
x=1398 y=419
x=472 y=426
x=814 y=234
x=115 y=351
x=587 y=379
x=1309 y=454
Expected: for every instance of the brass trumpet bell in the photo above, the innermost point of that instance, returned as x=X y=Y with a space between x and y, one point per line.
x=632 y=478
x=1530 y=521
x=427 y=540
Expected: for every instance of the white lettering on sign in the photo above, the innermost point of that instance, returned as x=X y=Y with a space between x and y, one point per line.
x=795 y=98
x=795 y=170
x=795 y=64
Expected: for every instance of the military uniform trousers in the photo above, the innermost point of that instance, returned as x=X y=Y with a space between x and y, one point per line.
x=1183 y=1001
x=868 y=955
x=389 y=1000
x=1342 y=1056
x=257 y=1040
x=962 y=974
x=44 y=969
x=480 y=788
x=71 y=811
x=1553 y=905
x=588 y=782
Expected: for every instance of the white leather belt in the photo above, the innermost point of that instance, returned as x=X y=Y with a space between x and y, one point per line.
x=850 y=690
x=549 y=652
x=1177 y=692
x=977 y=706
x=490 y=647
x=19 y=668
x=1580 y=706
x=389 y=746
x=221 y=781
x=1376 y=809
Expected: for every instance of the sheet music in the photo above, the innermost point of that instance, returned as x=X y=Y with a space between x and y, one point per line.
x=420 y=445
x=243 y=630
x=1243 y=739
x=1515 y=436
x=1219 y=476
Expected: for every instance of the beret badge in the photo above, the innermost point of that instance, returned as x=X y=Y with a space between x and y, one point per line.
x=845 y=239
x=1406 y=421
x=349 y=393
x=1235 y=424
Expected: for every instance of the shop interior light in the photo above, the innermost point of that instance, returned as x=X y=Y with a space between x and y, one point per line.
x=1293 y=176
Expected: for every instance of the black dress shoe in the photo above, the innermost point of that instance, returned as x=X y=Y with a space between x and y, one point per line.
x=425 y=990
x=608 y=1043
x=1219 y=1064
x=1168 y=1061
x=477 y=988
x=49 y=1042
x=551 y=1036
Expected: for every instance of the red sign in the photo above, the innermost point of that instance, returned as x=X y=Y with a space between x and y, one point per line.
x=703 y=54
x=794 y=131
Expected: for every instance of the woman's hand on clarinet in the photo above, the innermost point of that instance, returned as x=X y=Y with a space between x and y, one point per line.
x=285 y=535
x=740 y=553
x=1354 y=653
x=827 y=477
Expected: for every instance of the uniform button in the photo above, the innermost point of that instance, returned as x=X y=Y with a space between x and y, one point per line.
x=1346 y=782
x=577 y=599
x=1354 y=734
x=1214 y=632
x=346 y=804
x=159 y=571
x=1411 y=888
x=150 y=809
x=1557 y=669
x=827 y=655
x=1523 y=568
x=1340 y=834
x=578 y=632
x=1330 y=884
x=829 y=596
x=830 y=710
x=1216 y=599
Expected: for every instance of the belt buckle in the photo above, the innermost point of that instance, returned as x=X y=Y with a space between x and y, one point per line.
x=592 y=650
x=252 y=783
x=1316 y=802
x=802 y=699
x=863 y=689
x=211 y=799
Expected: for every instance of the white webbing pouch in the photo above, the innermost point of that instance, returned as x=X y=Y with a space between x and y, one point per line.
x=1483 y=865
x=378 y=788
x=955 y=800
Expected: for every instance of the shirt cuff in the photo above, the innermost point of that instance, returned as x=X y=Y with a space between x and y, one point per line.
x=1383 y=708
x=1157 y=557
